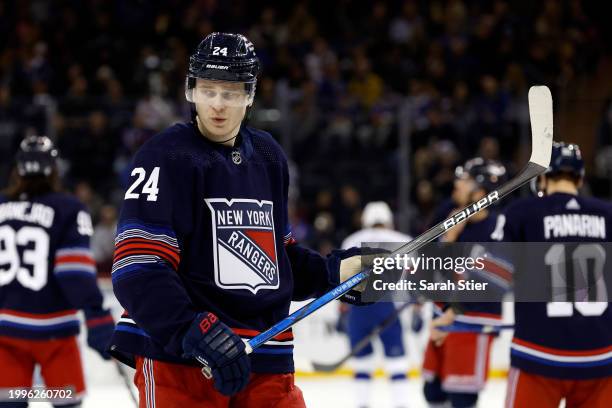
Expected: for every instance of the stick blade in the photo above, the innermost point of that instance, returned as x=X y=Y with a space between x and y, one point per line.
x=541 y=116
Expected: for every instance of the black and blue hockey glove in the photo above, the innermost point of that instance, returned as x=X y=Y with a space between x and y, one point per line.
x=219 y=349
x=100 y=328
x=343 y=264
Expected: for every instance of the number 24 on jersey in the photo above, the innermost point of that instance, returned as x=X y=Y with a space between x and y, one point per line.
x=149 y=188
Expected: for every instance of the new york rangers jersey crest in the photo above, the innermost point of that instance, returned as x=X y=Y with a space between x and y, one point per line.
x=244 y=244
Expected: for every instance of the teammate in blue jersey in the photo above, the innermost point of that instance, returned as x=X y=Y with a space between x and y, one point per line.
x=47 y=273
x=377 y=223
x=561 y=350
x=456 y=365
x=205 y=257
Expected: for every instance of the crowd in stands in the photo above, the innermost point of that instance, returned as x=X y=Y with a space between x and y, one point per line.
x=101 y=78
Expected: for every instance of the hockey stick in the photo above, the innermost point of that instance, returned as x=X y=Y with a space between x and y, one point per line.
x=475 y=328
x=126 y=380
x=541 y=115
x=389 y=320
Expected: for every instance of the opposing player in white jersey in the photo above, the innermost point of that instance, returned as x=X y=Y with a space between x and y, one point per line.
x=377 y=222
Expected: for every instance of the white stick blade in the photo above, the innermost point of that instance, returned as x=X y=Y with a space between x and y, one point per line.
x=541 y=116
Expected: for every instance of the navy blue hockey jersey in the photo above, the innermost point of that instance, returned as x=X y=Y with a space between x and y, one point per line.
x=486 y=313
x=47 y=271
x=561 y=339
x=204 y=227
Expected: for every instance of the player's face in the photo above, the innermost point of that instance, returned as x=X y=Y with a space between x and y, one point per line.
x=221 y=107
x=462 y=191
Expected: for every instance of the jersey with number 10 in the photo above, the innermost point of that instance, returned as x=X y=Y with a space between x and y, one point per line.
x=47 y=271
x=571 y=340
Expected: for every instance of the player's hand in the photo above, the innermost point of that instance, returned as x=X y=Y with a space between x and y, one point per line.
x=218 y=348
x=99 y=332
x=344 y=264
x=350 y=267
x=447 y=318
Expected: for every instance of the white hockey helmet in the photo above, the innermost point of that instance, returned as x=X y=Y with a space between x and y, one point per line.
x=376 y=213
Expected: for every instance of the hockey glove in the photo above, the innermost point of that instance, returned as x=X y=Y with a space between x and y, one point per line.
x=100 y=328
x=343 y=264
x=219 y=349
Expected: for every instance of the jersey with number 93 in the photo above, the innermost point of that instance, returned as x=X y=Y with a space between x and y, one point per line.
x=46 y=267
x=563 y=339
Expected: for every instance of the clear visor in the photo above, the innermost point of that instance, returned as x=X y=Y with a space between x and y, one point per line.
x=220 y=93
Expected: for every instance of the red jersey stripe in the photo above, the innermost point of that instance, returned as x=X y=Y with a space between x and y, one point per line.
x=99 y=321
x=131 y=246
x=172 y=258
x=483 y=314
x=497 y=269
x=37 y=315
x=562 y=352
x=145 y=244
x=84 y=259
x=146 y=241
x=252 y=333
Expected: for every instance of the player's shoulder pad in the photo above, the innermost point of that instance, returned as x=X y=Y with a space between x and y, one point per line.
x=265 y=146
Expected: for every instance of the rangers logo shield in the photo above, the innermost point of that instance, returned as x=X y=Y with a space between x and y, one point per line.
x=244 y=244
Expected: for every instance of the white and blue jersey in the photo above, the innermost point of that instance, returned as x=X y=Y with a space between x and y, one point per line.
x=362 y=319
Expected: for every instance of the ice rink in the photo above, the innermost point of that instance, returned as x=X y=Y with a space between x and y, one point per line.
x=319 y=392
x=315 y=340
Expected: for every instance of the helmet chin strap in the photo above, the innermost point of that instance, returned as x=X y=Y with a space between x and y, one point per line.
x=197 y=120
x=545 y=181
x=224 y=141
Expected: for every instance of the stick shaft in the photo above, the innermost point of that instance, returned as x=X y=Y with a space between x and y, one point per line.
x=541 y=118
x=127 y=382
x=530 y=171
x=475 y=328
x=388 y=321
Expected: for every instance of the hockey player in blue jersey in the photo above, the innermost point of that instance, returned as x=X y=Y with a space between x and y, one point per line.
x=377 y=223
x=561 y=350
x=205 y=257
x=456 y=365
x=47 y=273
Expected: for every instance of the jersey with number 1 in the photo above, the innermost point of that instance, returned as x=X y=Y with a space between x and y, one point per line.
x=47 y=271
x=562 y=339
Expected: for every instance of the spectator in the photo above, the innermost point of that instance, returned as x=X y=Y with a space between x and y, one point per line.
x=337 y=78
